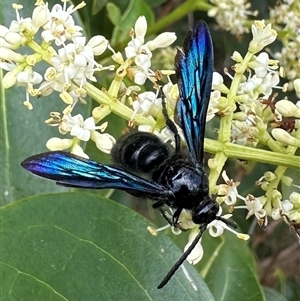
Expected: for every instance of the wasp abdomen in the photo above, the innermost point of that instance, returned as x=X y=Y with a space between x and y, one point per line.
x=140 y=152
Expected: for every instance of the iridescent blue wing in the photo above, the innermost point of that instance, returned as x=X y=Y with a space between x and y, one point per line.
x=194 y=69
x=73 y=171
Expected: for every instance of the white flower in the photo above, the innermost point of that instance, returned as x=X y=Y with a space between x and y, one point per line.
x=61 y=26
x=229 y=190
x=250 y=85
x=260 y=85
x=261 y=64
x=81 y=128
x=244 y=132
x=147 y=103
x=21 y=25
x=271 y=80
x=254 y=206
x=262 y=36
x=76 y=62
x=142 y=52
x=276 y=214
x=29 y=76
x=231 y=15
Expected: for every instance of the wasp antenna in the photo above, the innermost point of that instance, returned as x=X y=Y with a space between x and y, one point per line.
x=227 y=222
x=183 y=257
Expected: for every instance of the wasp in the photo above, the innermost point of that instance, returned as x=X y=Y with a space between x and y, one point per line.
x=146 y=167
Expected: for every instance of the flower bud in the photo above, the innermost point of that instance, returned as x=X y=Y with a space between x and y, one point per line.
x=297 y=85
x=104 y=142
x=285 y=138
x=118 y=58
x=223 y=104
x=294 y=215
x=163 y=40
x=14 y=39
x=276 y=195
x=55 y=144
x=10 y=78
x=288 y=181
x=240 y=116
x=287 y=109
x=197 y=253
x=5 y=44
x=40 y=16
x=265 y=185
x=98 y=44
x=295 y=199
x=236 y=56
x=66 y=97
x=3 y=30
x=269 y=176
x=212 y=163
x=77 y=150
x=140 y=28
x=10 y=55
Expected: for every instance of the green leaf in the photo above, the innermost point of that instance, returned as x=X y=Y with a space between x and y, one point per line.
x=272 y=295
x=97 y=5
x=135 y=9
x=78 y=246
x=114 y=13
x=229 y=269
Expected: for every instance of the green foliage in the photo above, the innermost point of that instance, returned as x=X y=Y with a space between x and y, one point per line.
x=79 y=246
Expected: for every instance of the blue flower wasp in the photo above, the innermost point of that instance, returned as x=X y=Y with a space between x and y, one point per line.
x=177 y=181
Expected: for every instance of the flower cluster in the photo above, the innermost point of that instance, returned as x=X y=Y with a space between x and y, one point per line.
x=285 y=19
x=231 y=15
x=260 y=118
x=72 y=65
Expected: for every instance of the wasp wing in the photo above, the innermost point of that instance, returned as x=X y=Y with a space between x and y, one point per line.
x=194 y=69
x=74 y=171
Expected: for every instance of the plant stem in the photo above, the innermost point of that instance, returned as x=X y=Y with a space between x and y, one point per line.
x=241 y=152
x=181 y=11
x=116 y=106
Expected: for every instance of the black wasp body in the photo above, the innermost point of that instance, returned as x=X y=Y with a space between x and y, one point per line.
x=186 y=185
x=146 y=167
